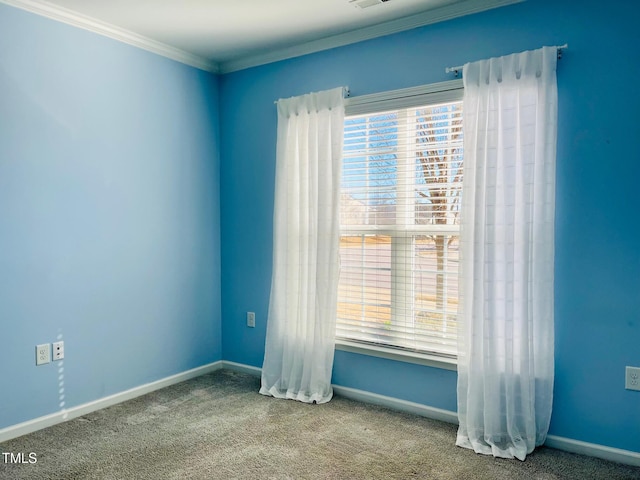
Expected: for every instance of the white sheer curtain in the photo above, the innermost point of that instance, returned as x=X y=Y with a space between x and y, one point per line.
x=505 y=337
x=300 y=340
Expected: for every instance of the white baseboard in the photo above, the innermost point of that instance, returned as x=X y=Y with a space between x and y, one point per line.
x=594 y=450
x=39 y=423
x=397 y=404
x=568 y=445
x=367 y=397
x=242 y=368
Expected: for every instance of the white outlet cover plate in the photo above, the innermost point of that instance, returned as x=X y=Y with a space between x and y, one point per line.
x=58 y=351
x=632 y=378
x=43 y=354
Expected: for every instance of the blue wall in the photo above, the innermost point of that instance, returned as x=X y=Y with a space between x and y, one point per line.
x=113 y=197
x=597 y=281
x=109 y=215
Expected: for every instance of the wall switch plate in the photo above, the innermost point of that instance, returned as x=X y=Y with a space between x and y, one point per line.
x=43 y=354
x=58 y=351
x=251 y=319
x=632 y=378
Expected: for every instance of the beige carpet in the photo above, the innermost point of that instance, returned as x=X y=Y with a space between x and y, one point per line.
x=218 y=427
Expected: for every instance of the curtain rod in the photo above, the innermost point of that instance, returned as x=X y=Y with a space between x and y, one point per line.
x=345 y=91
x=458 y=69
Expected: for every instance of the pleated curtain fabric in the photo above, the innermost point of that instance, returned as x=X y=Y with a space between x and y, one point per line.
x=300 y=338
x=506 y=324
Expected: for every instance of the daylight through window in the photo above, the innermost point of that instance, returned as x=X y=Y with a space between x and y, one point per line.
x=400 y=199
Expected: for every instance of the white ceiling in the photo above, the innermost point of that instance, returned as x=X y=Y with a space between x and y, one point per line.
x=227 y=35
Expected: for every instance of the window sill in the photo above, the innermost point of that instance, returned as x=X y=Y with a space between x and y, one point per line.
x=400 y=356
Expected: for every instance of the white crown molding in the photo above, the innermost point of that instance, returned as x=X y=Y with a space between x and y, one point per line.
x=448 y=12
x=436 y=15
x=64 y=15
x=441 y=14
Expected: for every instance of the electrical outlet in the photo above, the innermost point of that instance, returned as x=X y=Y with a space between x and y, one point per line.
x=43 y=354
x=632 y=378
x=58 y=351
x=251 y=319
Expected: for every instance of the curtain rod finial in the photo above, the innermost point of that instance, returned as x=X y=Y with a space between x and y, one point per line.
x=561 y=48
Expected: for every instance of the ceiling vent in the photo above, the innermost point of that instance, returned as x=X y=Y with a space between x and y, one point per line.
x=366 y=3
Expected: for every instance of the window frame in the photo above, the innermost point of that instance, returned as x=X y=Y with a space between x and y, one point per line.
x=442 y=92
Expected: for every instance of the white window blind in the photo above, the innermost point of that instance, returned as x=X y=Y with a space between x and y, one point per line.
x=400 y=198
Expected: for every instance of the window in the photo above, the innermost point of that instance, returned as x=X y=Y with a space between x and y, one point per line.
x=400 y=198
